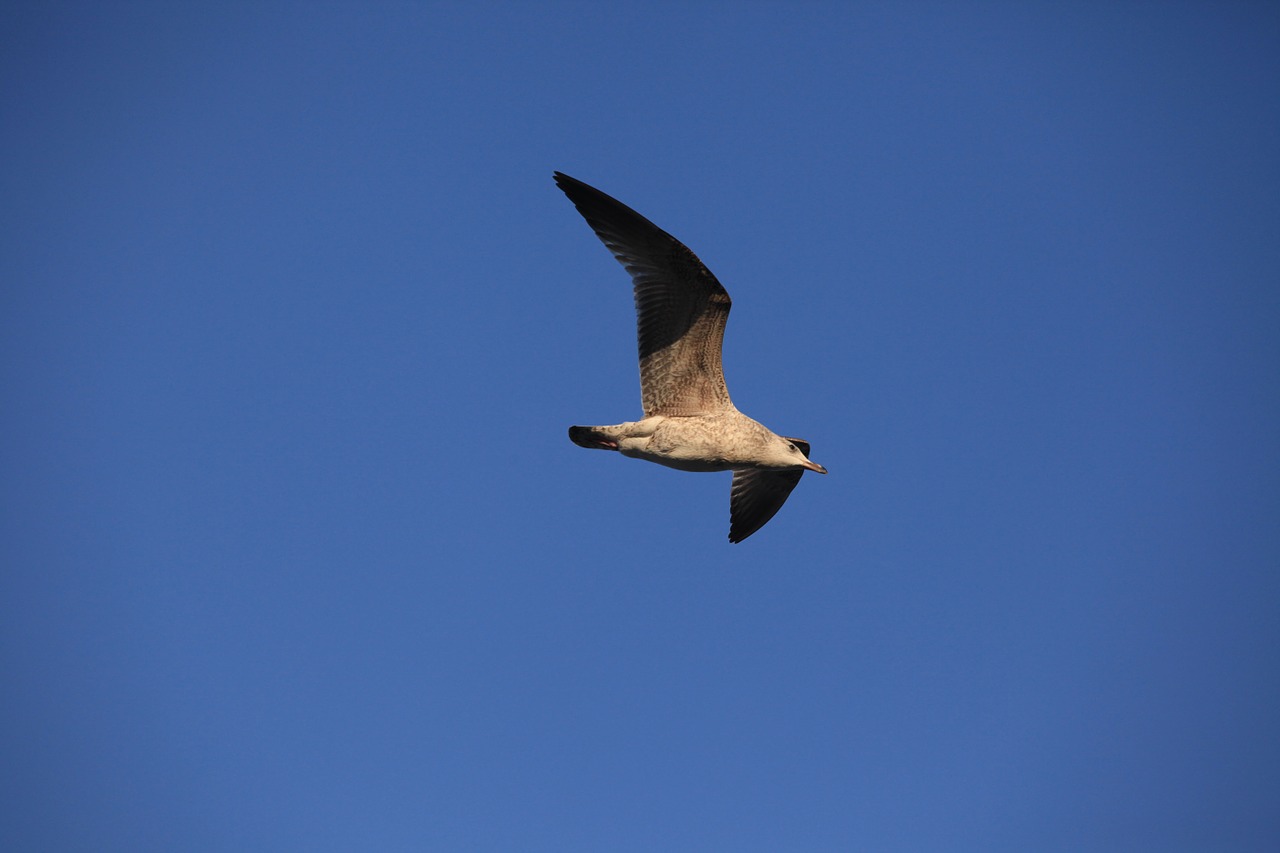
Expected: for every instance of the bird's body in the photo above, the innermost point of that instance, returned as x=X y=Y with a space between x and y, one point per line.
x=720 y=441
x=690 y=423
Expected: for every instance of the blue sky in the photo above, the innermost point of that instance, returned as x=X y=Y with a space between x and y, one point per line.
x=297 y=554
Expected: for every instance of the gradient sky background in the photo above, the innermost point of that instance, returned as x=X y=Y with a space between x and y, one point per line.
x=298 y=556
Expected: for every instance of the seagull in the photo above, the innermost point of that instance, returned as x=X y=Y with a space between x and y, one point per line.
x=689 y=421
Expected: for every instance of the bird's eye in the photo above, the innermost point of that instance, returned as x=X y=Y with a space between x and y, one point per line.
x=792 y=446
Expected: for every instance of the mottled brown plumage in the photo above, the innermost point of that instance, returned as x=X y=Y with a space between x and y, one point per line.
x=690 y=423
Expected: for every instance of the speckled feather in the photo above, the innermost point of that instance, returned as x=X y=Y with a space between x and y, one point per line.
x=681 y=309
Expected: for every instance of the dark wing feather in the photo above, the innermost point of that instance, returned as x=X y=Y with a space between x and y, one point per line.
x=681 y=309
x=758 y=494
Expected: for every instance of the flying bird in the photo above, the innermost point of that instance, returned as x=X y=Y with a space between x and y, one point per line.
x=689 y=421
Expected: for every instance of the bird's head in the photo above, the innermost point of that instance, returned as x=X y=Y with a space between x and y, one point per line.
x=792 y=453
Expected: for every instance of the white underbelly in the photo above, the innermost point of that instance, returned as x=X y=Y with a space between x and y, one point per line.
x=678 y=461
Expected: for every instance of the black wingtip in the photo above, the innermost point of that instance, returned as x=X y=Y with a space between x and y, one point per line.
x=586 y=197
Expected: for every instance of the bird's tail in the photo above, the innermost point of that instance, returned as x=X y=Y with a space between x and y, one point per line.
x=594 y=438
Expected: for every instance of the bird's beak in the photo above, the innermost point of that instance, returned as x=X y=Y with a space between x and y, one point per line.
x=814 y=466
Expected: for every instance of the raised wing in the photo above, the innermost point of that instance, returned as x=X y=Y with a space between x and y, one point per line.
x=681 y=309
x=758 y=494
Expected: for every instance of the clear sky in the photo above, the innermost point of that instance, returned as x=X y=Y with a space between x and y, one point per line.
x=297 y=554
